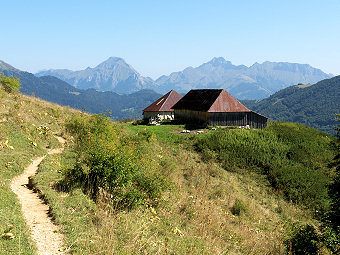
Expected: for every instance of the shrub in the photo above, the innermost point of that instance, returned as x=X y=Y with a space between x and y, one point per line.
x=331 y=239
x=244 y=147
x=304 y=240
x=10 y=84
x=238 y=208
x=300 y=184
x=112 y=160
x=293 y=157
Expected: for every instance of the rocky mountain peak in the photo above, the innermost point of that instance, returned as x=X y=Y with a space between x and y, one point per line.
x=112 y=62
x=114 y=74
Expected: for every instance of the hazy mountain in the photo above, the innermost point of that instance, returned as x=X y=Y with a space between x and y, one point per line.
x=55 y=90
x=312 y=105
x=255 y=82
x=114 y=74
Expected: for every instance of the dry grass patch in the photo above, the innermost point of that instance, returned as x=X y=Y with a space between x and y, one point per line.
x=27 y=125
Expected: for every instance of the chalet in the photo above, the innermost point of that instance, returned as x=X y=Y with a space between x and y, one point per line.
x=161 y=109
x=216 y=107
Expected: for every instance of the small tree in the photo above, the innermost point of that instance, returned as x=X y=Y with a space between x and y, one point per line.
x=10 y=84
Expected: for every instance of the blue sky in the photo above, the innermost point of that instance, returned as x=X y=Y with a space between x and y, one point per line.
x=159 y=37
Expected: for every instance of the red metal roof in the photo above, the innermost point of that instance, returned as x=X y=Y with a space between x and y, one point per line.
x=210 y=100
x=165 y=103
x=227 y=103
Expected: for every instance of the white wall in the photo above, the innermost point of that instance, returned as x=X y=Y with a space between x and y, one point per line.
x=159 y=115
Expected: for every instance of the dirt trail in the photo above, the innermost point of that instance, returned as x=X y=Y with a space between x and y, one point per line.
x=45 y=234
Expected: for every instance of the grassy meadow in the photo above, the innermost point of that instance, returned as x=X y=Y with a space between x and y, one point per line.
x=120 y=188
x=26 y=131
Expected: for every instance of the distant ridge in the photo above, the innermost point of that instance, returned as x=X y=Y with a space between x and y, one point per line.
x=7 y=67
x=55 y=90
x=255 y=82
x=311 y=105
x=114 y=74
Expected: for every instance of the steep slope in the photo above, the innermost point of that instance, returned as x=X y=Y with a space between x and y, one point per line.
x=312 y=105
x=255 y=82
x=55 y=90
x=114 y=74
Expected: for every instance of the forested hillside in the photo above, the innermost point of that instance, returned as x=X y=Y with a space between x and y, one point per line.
x=313 y=105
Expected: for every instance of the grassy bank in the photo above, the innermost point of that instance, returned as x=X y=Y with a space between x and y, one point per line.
x=26 y=126
x=204 y=210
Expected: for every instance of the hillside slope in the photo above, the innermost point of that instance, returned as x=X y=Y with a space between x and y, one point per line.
x=27 y=126
x=165 y=192
x=313 y=105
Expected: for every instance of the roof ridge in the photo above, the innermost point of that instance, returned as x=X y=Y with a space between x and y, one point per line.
x=162 y=103
x=166 y=99
x=221 y=90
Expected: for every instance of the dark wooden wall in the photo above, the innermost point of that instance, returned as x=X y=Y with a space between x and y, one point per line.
x=252 y=119
x=189 y=116
x=256 y=121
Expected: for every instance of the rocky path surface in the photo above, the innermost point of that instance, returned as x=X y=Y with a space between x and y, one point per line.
x=44 y=232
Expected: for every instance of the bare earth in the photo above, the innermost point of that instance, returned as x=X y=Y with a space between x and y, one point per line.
x=44 y=232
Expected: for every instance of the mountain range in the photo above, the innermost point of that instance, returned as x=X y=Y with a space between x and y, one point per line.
x=55 y=90
x=312 y=105
x=255 y=82
x=114 y=75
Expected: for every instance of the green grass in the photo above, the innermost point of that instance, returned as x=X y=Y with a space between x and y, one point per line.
x=189 y=219
x=73 y=211
x=162 y=132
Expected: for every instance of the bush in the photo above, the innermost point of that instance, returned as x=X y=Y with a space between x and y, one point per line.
x=304 y=240
x=293 y=157
x=238 y=208
x=10 y=84
x=114 y=161
x=331 y=239
x=301 y=184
